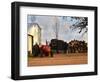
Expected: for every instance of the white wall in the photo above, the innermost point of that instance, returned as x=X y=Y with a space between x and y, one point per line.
x=5 y=40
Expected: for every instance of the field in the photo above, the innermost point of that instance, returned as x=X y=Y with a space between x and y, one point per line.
x=59 y=59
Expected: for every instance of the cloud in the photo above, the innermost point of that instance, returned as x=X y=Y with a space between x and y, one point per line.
x=31 y=18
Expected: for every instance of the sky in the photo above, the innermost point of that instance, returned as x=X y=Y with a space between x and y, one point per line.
x=48 y=24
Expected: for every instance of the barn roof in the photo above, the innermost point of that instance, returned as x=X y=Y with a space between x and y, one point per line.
x=35 y=24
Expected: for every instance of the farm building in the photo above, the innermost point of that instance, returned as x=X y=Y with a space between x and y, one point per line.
x=34 y=36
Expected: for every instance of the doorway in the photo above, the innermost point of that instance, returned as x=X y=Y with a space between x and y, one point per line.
x=30 y=44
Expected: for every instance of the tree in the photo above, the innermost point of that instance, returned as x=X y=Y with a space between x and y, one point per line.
x=81 y=23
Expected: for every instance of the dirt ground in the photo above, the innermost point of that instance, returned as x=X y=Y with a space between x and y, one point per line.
x=59 y=59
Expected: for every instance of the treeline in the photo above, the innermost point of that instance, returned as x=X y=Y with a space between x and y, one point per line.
x=74 y=46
